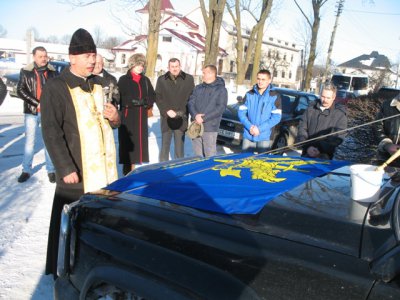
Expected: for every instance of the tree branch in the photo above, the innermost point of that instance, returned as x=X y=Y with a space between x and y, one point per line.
x=308 y=21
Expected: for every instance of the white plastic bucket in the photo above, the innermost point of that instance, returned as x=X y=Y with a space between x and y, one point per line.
x=365 y=183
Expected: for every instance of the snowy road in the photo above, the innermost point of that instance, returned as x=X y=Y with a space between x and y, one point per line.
x=24 y=214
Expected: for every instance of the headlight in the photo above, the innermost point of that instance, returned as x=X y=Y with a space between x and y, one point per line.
x=63 y=259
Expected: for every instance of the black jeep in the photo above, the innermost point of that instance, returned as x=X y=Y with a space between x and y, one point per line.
x=163 y=232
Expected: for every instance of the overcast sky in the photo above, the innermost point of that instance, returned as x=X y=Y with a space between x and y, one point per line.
x=364 y=26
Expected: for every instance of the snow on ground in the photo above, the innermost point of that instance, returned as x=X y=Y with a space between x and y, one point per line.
x=25 y=207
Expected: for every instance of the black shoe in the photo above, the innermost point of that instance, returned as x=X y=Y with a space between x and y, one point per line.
x=52 y=177
x=23 y=177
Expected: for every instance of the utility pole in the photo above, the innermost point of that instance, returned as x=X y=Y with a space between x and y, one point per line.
x=328 y=59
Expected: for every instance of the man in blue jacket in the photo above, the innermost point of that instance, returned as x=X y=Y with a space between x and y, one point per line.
x=206 y=106
x=259 y=114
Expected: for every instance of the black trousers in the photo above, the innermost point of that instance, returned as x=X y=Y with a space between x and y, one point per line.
x=179 y=141
x=62 y=196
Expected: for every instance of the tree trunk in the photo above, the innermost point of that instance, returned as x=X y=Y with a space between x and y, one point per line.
x=313 y=45
x=152 y=39
x=257 y=54
x=258 y=49
x=243 y=58
x=213 y=21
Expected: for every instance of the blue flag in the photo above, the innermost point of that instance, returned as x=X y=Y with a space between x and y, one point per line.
x=230 y=184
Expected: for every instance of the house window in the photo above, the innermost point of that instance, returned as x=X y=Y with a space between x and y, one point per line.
x=284 y=57
x=245 y=49
x=291 y=58
x=290 y=75
x=167 y=39
x=271 y=39
x=231 y=66
x=283 y=74
x=123 y=59
x=269 y=53
x=277 y=55
x=275 y=74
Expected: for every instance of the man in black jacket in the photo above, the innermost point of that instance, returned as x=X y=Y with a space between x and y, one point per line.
x=388 y=131
x=324 y=117
x=31 y=81
x=173 y=90
x=3 y=91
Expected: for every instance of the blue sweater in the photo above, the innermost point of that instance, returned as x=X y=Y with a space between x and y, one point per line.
x=263 y=111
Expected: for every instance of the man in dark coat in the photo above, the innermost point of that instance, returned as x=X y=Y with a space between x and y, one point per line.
x=32 y=79
x=173 y=90
x=77 y=131
x=323 y=117
x=108 y=81
x=206 y=106
x=388 y=131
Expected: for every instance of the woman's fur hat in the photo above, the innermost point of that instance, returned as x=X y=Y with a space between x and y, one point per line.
x=136 y=59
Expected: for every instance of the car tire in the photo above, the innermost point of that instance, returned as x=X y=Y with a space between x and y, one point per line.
x=281 y=141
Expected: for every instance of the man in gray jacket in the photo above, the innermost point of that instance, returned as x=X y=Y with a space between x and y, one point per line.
x=173 y=90
x=206 y=106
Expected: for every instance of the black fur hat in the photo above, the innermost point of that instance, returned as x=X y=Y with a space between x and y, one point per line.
x=82 y=42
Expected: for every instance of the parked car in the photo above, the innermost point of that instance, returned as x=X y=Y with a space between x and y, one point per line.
x=12 y=79
x=343 y=97
x=388 y=92
x=309 y=241
x=294 y=103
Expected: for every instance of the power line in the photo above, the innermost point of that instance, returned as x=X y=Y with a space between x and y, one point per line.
x=373 y=12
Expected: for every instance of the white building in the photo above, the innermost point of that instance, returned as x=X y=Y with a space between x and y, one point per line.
x=183 y=37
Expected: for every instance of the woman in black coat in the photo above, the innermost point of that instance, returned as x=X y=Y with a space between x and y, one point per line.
x=137 y=96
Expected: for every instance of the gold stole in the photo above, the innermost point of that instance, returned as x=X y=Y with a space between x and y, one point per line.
x=97 y=140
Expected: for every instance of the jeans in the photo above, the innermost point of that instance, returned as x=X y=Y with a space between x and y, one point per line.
x=261 y=146
x=32 y=123
x=206 y=145
x=179 y=140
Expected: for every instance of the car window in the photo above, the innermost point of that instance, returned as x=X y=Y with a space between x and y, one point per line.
x=341 y=94
x=303 y=104
x=287 y=102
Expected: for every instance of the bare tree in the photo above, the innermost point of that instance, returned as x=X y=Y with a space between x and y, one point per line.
x=52 y=39
x=97 y=35
x=3 y=32
x=314 y=25
x=65 y=39
x=266 y=5
x=110 y=42
x=213 y=21
x=244 y=53
x=152 y=37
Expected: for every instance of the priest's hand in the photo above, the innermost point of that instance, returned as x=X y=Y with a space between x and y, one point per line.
x=71 y=178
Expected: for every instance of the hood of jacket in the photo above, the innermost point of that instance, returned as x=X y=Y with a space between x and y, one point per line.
x=219 y=81
x=267 y=90
x=31 y=66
